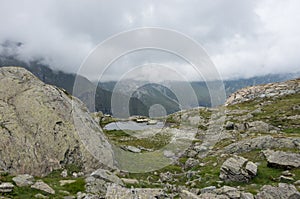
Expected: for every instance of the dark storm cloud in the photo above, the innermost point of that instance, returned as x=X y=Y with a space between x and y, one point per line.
x=243 y=38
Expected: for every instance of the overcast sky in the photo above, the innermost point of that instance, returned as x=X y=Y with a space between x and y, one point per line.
x=243 y=38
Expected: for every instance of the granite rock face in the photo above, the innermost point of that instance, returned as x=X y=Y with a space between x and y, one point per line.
x=43 y=128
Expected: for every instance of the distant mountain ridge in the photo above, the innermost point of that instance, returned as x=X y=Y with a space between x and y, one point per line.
x=200 y=88
x=143 y=97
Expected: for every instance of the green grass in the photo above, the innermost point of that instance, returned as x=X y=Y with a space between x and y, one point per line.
x=154 y=142
x=292 y=131
x=75 y=187
x=265 y=175
x=275 y=112
x=52 y=180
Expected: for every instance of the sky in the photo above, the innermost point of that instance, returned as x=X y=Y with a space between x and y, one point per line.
x=243 y=38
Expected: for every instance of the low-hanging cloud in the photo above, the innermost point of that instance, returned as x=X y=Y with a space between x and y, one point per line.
x=243 y=38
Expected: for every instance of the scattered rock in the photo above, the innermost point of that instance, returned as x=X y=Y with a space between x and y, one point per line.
x=6 y=187
x=130 y=181
x=285 y=178
x=231 y=192
x=202 y=164
x=131 y=149
x=191 y=153
x=41 y=196
x=166 y=177
x=283 y=191
x=96 y=186
x=282 y=159
x=152 y=122
x=212 y=196
x=260 y=126
x=40 y=185
x=75 y=175
x=187 y=194
x=69 y=197
x=230 y=126
x=297 y=182
x=237 y=169
x=246 y=196
x=81 y=195
x=251 y=168
x=208 y=189
x=107 y=176
x=287 y=173
x=64 y=192
x=115 y=191
x=99 y=180
x=64 y=182
x=191 y=162
x=23 y=180
x=64 y=173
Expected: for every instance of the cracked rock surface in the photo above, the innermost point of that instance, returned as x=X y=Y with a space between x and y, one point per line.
x=43 y=128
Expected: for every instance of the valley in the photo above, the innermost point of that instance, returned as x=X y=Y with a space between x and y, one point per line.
x=247 y=148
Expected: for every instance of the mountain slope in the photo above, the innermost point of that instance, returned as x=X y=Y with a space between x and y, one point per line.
x=252 y=153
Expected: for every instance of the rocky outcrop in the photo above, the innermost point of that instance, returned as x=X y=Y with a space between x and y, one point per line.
x=98 y=182
x=238 y=169
x=43 y=128
x=283 y=191
x=263 y=142
x=282 y=159
x=264 y=91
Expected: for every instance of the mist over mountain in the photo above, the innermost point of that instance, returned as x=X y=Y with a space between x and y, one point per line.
x=98 y=96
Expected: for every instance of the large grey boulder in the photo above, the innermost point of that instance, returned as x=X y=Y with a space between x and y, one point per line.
x=40 y=185
x=43 y=128
x=100 y=180
x=283 y=191
x=282 y=159
x=260 y=126
x=23 y=180
x=237 y=169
